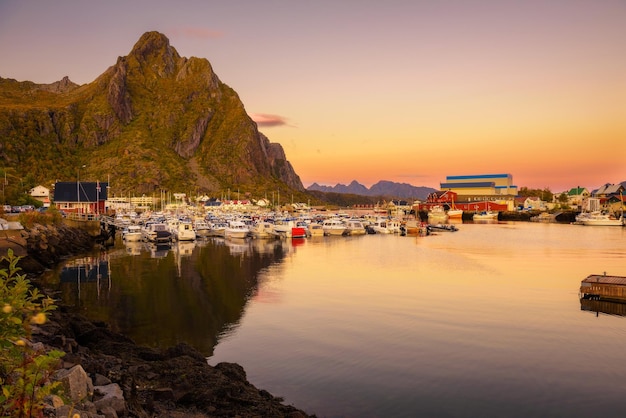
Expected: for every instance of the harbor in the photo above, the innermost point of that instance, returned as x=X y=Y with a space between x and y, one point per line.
x=323 y=320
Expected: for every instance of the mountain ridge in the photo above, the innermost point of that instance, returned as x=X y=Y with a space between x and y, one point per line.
x=381 y=188
x=153 y=120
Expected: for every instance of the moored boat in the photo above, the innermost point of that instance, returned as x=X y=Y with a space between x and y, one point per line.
x=236 y=229
x=486 y=215
x=602 y=219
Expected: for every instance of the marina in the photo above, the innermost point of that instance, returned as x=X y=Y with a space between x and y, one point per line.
x=384 y=324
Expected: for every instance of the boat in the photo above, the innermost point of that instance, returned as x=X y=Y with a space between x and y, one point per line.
x=183 y=231
x=132 y=233
x=544 y=217
x=354 y=227
x=299 y=230
x=236 y=229
x=156 y=232
x=216 y=229
x=262 y=230
x=443 y=227
x=486 y=215
x=454 y=212
x=202 y=228
x=333 y=226
x=315 y=229
x=598 y=218
x=437 y=215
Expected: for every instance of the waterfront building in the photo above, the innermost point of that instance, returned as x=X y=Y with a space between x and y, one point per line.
x=490 y=186
x=81 y=196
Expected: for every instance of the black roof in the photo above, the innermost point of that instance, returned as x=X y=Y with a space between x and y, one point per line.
x=67 y=191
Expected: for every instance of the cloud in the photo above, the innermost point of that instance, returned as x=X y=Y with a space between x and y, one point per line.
x=267 y=120
x=196 y=33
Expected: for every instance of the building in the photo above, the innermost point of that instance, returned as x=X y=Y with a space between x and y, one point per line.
x=81 y=197
x=42 y=194
x=481 y=186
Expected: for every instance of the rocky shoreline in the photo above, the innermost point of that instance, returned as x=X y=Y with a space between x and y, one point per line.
x=107 y=375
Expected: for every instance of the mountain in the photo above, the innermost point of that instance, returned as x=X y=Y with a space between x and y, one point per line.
x=152 y=121
x=382 y=188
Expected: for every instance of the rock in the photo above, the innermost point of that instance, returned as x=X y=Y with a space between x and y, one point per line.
x=109 y=396
x=77 y=384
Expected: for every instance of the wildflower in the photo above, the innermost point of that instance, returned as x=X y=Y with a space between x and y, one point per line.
x=21 y=343
x=39 y=319
x=7 y=308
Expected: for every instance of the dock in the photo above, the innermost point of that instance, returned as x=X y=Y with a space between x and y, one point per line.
x=603 y=287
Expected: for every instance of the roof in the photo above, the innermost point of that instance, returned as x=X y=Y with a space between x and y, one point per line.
x=67 y=191
x=468 y=185
x=604 y=279
x=576 y=191
x=479 y=176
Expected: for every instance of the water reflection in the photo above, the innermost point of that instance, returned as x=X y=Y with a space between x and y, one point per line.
x=603 y=306
x=193 y=294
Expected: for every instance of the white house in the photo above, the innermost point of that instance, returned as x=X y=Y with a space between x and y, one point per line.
x=42 y=194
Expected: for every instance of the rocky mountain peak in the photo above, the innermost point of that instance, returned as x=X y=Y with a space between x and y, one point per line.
x=154 y=49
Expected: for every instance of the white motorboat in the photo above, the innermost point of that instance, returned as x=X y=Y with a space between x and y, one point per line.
x=333 y=226
x=262 y=230
x=132 y=233
x=487 y=215
x=236 y=229
x=602 y=219
x=202 y=228
x=354 y=227
x=437 y=215
x=183 y=231
x=156 y=232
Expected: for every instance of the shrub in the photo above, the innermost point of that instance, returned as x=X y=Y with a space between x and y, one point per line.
x=24 y=370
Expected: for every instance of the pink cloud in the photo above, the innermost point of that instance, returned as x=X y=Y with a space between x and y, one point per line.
x=196 y=32
x=267 y=120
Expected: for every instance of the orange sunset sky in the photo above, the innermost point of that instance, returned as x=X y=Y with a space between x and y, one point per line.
x=406 y=91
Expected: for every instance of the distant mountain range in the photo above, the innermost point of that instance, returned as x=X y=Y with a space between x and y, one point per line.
x=382 y=188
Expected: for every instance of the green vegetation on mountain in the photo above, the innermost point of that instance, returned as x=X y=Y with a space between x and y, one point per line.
x=153 y=121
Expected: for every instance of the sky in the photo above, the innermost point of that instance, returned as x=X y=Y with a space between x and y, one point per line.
x=409 y=91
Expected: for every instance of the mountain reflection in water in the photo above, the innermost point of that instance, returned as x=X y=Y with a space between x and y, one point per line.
x=194 y=292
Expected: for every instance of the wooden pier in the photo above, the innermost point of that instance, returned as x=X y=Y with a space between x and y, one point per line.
x=603 y=287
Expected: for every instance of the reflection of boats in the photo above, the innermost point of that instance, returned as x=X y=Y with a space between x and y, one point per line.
x=486 y=215
x=132 y=233
x=603 y=287
x=133 y=247
x=158 y=250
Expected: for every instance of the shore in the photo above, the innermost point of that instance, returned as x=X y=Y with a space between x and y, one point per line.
x=176 y=382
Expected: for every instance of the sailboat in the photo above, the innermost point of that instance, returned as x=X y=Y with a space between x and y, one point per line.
x=454 y=213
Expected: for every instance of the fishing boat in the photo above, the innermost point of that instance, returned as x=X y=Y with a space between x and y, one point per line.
x=486 y=215
x=437 y=215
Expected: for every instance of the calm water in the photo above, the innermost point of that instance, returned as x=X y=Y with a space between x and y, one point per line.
x=483 y=322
